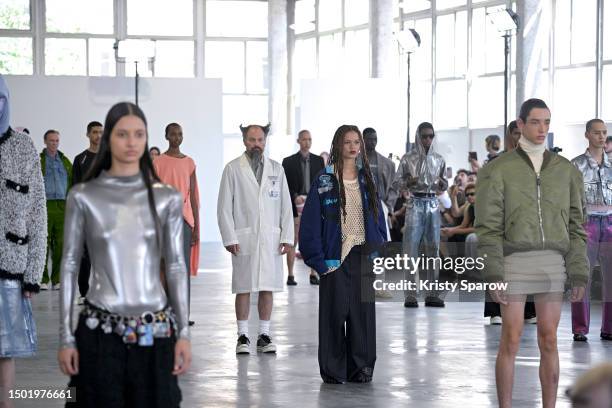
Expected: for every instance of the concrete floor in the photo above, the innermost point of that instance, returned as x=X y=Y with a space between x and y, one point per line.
x=426 y=357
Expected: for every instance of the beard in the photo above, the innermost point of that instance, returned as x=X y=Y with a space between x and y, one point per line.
x=255 y=154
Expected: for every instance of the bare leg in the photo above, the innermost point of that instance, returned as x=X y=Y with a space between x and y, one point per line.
x=291 y=253
x=265 y=305
x=7 y=381
x=243 y=306
x=512 y=315
x=548 y=309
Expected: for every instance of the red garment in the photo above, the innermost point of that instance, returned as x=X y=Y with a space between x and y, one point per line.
x=177 y=172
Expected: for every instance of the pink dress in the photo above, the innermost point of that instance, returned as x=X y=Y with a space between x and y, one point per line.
x=177 y=173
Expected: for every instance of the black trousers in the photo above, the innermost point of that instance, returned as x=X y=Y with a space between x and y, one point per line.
x=113 y=374
x=347 y=320
x=84 y=273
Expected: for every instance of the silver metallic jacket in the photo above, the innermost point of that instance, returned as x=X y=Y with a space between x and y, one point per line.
x=597 y=180
x=112 y=216
x=428 y=167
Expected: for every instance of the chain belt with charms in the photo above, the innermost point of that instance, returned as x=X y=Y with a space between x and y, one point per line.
x=141 y=330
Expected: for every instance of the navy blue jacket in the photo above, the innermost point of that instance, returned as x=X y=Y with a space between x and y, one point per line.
x=320 y=227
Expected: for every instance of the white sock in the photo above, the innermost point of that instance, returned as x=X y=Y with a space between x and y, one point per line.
x=243 y=327
x=264 y=327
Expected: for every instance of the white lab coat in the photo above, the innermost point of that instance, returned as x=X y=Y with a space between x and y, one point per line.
x=259 y=219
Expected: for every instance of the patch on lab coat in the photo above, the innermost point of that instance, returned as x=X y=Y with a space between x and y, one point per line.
x=274 y=191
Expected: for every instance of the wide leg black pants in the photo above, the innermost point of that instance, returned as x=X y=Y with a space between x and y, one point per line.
x=347 y=320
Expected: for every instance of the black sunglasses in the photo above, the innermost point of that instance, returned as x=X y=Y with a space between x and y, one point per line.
x=470 y=194
x=428 y=136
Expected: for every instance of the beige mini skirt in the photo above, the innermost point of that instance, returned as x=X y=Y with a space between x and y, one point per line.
x=532 y=272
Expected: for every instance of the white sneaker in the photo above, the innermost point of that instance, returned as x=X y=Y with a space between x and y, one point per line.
x=384 y=294
x=265 y=345
x=242 y=347
x=495 y=320
x=56 y=286
x=533 y=320
x=44 y=286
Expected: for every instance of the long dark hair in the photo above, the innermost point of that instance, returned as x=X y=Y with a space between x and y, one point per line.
x=103 y=158
x=335 y=159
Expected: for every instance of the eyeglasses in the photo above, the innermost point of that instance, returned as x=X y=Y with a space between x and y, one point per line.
x=470 y=194
x=428 y=136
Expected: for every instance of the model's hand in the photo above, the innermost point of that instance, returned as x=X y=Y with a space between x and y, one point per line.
x=411 y=181
x=577 y=293
x=284 y=248
x=233 y=249
x=195 y=236
x=28 y=295
x=182 y=356
x=68 y=359
x=499 y=296
x=299 y=200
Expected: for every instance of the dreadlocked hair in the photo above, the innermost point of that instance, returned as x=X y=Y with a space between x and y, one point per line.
x=336 y=160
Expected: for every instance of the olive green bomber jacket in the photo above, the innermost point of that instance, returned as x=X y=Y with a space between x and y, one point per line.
x=519 y=211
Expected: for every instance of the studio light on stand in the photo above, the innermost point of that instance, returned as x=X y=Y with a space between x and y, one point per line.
x=507 y=22
x=409 y=41
x=135 y=51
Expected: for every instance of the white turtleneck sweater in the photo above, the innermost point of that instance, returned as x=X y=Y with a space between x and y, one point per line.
x=534 y=151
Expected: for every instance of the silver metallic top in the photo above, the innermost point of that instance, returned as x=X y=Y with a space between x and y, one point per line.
x=420 y=171
x=597 y=182
x=112 y=216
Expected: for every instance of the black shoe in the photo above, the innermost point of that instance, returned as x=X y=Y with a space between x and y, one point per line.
x=433 y=301
x=314 y=280
x=265 y=345
x=410 y=301
x=291 y=281
x=242 y=346
x=580 y=337
x=329 y=380
x=191 y=322
x=606 y=336
x=363 y=376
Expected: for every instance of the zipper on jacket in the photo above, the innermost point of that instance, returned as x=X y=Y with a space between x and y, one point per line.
x=539 y=183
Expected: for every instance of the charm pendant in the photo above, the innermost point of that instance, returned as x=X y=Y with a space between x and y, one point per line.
x=92 y=322
x=107 y=326
x=129 y=336
x=120 y=328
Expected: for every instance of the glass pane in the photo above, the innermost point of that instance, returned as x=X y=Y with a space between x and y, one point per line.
x=257 y=67
x=330 y=56
x=584 y=31
x=446 y=4
x=304 y=16
x=479 y=42
x=174 y=59
x=494 y=51
x=243 y=109
x=607 y=96
x=572 y=85
x=562 y=32
x=356 y=12
x=487 y=102
x=445 y=33
x=451 y=109
x=607 y=32
x=460 y=49
x=15 y=14
x=144 y=69
x=357 y=54
x=232 y=147
x=304 y=63
x=225 y=60
x=236 y=18
x=410 y=6
x=65 y=56
x=102 y=57
x=160 y=17
x=93 y=16
x=330 y=14
x=421 y=59
x=16 y=56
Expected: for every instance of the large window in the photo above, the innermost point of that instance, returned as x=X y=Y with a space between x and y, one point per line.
x=16 y=56
x=451 y=45
x=15 y=15
x=93 y=17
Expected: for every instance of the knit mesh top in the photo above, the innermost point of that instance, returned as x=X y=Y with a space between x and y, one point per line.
x=353 y=229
